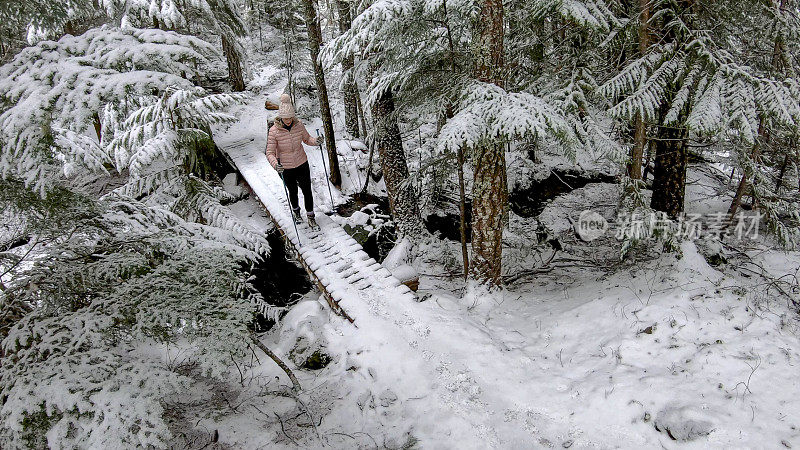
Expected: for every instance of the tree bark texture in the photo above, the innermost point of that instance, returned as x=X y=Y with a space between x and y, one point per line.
x=489 y=200
x=462 y=210
x=402 y=200
x=781 y=174
x=670 y=155
x=235 y=75
x=640 y=128
x=489 y=190
x=314 y=43
x=349 y=87
x=669 y=175
x=747 y=173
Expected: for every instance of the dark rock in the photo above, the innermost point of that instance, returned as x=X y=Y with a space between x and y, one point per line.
x=316 y=361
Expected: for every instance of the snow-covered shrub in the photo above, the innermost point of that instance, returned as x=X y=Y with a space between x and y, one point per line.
x=159 y=260
x=128 y=275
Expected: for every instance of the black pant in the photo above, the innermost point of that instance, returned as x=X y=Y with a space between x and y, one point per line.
x=300 y=175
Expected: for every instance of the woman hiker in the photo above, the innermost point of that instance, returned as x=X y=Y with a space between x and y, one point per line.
x=286 y=154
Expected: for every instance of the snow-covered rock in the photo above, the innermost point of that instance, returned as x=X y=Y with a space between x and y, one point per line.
x=683 y=423
x=231 y=187
x=398 y=261
x=303 y=327
x=359 y=218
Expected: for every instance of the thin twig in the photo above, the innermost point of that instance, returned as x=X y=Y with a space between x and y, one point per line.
x=296 y=384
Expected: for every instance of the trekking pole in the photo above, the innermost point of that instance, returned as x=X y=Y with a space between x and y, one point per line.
x=289 y=201
x=355 y=162
x=330 y=192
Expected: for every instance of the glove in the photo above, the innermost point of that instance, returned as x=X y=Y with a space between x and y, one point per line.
x=320 y=140
x=279 y=169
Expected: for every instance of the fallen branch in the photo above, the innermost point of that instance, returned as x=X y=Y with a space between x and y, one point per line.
x=544 y=268
x=785 y=288
x=278 y=361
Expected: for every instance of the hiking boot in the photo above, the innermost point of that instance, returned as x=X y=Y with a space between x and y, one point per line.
x=312 y=223
x=296 y=216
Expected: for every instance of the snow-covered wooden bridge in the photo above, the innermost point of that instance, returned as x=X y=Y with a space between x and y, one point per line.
x=403 y=350
x=335 y=262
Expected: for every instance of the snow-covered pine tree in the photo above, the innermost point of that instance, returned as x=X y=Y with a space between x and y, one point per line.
x=695 y=81
x=423 y=52
x=54 y=88
x=775 y=144
x=212 y=18
x=96 y=279
x=117 y=277
x=562 y=50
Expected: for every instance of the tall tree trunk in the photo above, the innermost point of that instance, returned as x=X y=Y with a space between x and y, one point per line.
x=670 y=155
x=462 y=196
x=402 y=200
x=362 y=120
x=646 y=169
x=746 y=173
x=349 y=87
x=640 y=128
x=98 y=126
x=234 y=64
x=69 y=28
x=462 y=210
x=669 y=175
x=489 y=191
x=781 y=174
x=314 y=43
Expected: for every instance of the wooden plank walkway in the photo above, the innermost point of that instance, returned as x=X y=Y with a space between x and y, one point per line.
x=335 y=262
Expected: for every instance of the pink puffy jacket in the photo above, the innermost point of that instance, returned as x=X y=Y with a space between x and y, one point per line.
x=287 y=145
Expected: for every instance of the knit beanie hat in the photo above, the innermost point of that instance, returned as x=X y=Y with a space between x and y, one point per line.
x=286 y=110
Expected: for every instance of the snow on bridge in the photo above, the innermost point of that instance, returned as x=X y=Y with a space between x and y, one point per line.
x=335 y=261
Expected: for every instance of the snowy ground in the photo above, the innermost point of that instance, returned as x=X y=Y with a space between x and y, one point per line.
x=673 y=346
x=669 y=352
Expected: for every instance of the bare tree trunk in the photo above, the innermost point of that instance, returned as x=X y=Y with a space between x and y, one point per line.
x=489 y=191
x=362 y=120
x=640 y=128
x=671 y=156
x=314 y=43
x=462 y=197
x=369 y=167
x=646 y=170
x=234 y=64
x=782 y=173
x=349 y=87
x=669 y=175
x=98 y=126
x=402 y=200
x=743 y=183
x=737 y=198
x=462 y=209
